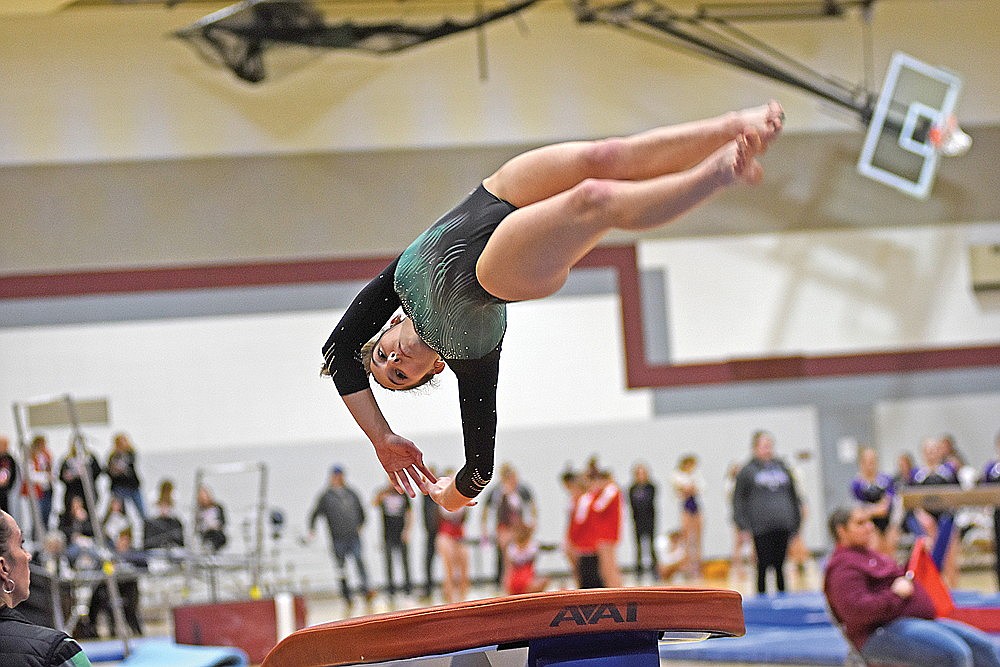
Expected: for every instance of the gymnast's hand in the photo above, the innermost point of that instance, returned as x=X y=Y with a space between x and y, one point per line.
x=444 y=493
x=404 y=463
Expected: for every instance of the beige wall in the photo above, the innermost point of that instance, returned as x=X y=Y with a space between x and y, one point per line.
x=120 y=147
x=103 y=83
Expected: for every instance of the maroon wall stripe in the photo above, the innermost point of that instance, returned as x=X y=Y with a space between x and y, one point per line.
x=622 y=259
x=127 y=281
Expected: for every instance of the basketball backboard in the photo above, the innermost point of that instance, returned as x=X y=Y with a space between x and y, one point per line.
x=897 y=150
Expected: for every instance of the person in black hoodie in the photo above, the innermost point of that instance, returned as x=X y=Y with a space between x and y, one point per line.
x=22 y=643
x=766 y=504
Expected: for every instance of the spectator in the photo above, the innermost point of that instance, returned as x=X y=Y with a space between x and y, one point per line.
x=8 y=473
x=642 y=501
x=903 y=477
x=991 y=475
x=163 y=530
x=116 y=521
x=344 y=514
x=583 y=534
x=79 y=461
x=520 y=566
x=575 y=487
x=673 y=554
x=887 y=616
x=37 y=485
x=22 y=642
x=766 y=504
x=454 y=554
x=76 y=524
x=606 y=511
x=396 y=514
x=877 y=493
x=742 y=554
x=798 y=552
x=210 y=521
x=128 y=563
x=688 y=486
x=514 y=503
x=950 y=452
x=905 y=468
x=936 y=470
x=432 y=519
x=121 y=471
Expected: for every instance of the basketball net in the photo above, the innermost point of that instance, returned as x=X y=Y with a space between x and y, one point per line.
x=948 y=139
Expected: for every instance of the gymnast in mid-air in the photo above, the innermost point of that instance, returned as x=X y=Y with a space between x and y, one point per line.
x=514 y=238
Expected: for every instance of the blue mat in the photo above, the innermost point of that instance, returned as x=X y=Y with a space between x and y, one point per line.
x=163 y=652
x=767 y=644
x=789 y=629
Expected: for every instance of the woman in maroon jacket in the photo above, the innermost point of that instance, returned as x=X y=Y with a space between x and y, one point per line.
x=887 y=615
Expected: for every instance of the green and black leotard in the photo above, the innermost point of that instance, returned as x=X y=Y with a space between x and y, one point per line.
x=434 y=280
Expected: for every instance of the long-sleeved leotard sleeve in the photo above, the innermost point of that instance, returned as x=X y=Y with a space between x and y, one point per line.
x=367 y=314
x=477 y=395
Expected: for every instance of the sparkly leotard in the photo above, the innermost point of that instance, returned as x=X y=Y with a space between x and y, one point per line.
x=434 y=280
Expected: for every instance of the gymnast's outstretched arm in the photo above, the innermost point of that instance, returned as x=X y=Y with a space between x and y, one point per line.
x=402 y=460
x=364 y=318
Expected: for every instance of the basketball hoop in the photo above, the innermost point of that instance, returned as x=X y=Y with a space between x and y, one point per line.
x=948 y=139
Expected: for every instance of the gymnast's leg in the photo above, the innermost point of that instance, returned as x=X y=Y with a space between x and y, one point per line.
x=571 y=194
x=544 y=172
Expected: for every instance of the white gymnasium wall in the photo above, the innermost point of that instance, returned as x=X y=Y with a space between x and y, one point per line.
x=220 y=382
x=198 y=390
x=973 y=420
x=830 y=292
x=229 y=380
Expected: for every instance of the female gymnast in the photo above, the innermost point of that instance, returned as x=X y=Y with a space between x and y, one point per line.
x=514 y=238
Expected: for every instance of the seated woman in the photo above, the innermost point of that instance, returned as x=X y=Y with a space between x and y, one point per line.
x=75 y=524
x=210 y=521
x=101 y=601
x=22 y=642
x=887 y=616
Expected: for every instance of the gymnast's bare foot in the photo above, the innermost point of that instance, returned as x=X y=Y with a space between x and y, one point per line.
x=768 y=119
x=736 y=162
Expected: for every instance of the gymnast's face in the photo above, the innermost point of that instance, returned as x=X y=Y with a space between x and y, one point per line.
x=401 y=360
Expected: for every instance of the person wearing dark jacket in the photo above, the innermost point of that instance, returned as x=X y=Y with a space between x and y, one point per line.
x=22 y=643
x=432 y=520
x=766 y=505
x=345 y=515
x=121 y=472
x=642 y=501
x=887 y=615
x=78 y=462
